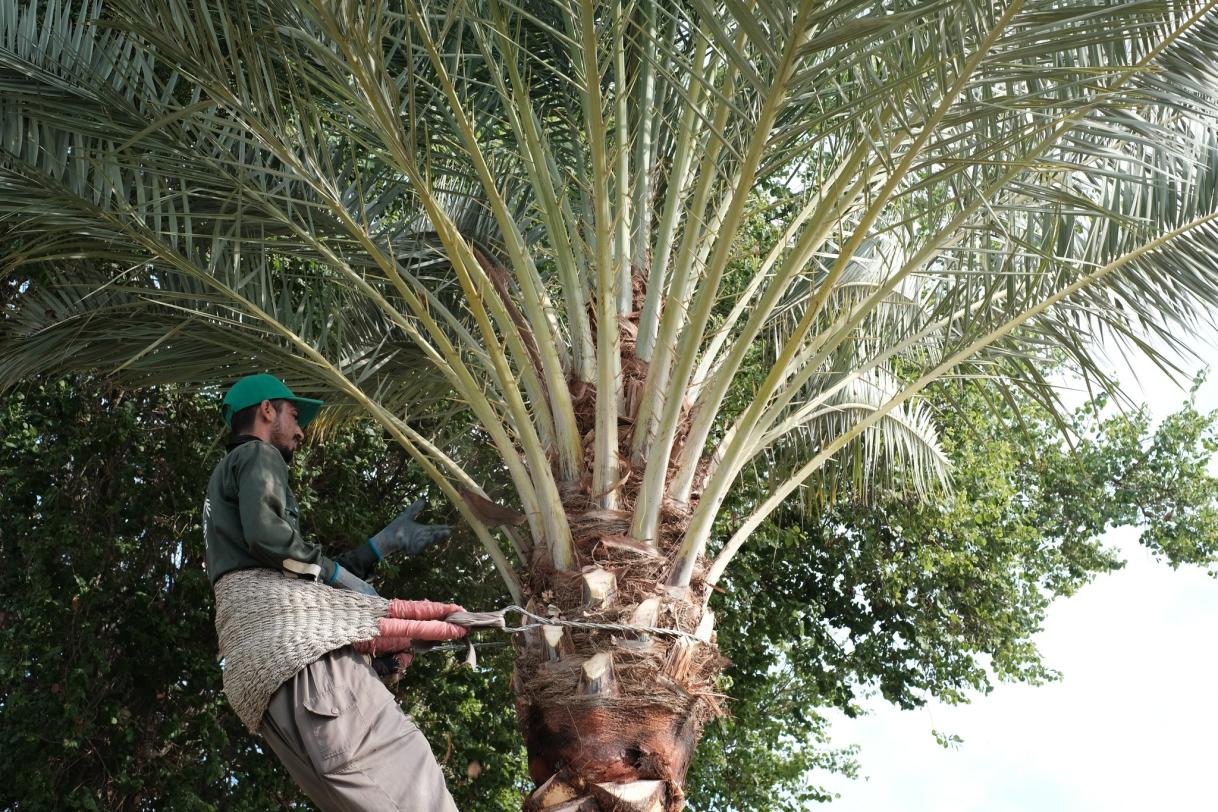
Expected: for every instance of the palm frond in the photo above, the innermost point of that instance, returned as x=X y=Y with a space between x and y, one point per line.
x=504 y=191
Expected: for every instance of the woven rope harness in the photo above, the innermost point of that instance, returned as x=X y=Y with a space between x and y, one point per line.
x=271 y=626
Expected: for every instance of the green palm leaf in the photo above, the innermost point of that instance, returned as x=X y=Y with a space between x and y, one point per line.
x=504 y=207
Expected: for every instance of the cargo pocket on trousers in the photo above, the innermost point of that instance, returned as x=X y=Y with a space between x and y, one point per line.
x=332 y=727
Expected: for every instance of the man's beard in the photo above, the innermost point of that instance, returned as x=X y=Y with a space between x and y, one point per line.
x=284 y=445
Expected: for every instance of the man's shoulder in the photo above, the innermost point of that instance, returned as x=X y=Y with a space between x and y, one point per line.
x=254 y=452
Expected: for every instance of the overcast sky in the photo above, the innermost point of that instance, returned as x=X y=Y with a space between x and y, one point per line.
x=1131 y=726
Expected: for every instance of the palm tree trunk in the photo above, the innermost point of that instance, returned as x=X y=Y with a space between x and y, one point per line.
x=613 y=703
x=611 y=716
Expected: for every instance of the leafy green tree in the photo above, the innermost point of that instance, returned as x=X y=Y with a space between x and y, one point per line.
x=530 y=222
x=920 y=601
x=110 y=694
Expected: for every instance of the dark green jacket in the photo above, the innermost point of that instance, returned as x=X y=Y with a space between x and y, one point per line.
x=251 y=519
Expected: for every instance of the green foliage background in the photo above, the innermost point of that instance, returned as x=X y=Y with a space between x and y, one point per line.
x=110 y=693
x=109 y=689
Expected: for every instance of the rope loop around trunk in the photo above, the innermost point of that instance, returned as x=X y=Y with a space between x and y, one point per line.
x=539 y=621
x=498 y=620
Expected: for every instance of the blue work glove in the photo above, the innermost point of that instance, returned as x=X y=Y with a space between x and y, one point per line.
x=404 y=533
x=344 y=579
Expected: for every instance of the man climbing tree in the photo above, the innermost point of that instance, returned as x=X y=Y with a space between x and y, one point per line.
x=316 y=700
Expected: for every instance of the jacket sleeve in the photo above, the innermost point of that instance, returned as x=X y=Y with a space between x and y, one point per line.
x=359 y=561
x=270 y=531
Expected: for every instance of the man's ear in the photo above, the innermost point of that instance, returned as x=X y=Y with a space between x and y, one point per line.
x=266 y=410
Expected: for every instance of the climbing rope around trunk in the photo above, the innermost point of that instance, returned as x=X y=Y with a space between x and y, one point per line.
x=540 y=621
x=498 y=620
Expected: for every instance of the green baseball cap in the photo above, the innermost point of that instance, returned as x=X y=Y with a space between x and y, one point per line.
x=253 y=389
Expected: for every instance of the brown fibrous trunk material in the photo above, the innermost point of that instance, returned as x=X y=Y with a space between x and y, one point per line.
x=612 y=706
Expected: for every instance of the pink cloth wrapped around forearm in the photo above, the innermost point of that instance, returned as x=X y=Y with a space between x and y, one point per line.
x=420 y=629
x=422 y=610
x=398 y=635
x=409 y=621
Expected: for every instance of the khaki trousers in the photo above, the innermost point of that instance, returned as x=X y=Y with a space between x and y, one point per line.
x=342 y=737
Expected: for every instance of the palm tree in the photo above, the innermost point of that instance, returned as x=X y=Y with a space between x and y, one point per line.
x=537 y=218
